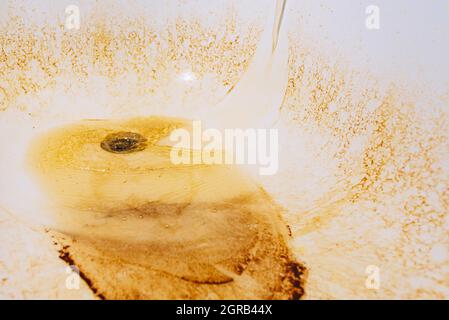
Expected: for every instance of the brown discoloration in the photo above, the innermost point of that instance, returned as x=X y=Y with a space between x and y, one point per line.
x=66 y=257
x=295 y=276
x=139 y=227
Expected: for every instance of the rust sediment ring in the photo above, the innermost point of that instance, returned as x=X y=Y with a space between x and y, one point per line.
x=124 y=142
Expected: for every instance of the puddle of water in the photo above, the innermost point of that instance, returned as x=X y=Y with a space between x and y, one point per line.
x=138 y=226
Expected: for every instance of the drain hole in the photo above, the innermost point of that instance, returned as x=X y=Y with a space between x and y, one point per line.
x=124 y=142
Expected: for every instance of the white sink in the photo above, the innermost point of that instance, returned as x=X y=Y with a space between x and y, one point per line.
x=363 y=149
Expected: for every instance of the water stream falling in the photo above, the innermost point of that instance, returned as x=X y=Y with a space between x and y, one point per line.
x=255 y=100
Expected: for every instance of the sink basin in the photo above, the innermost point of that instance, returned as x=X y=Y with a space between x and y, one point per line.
x=358 y=206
